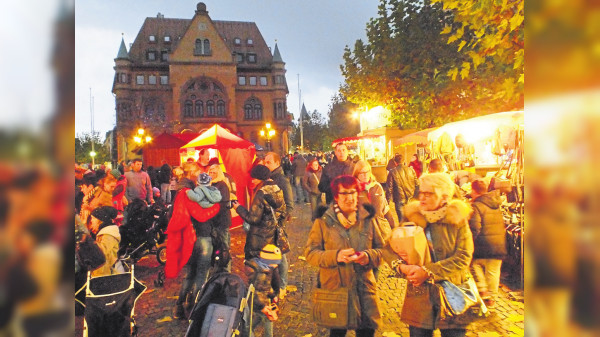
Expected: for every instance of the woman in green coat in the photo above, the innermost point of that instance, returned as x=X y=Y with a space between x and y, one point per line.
x=345 y=246
x=447 y=220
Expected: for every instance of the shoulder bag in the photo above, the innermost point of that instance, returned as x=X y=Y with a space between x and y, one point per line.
x=281 y=238
x=330 y=307
x=460 y=304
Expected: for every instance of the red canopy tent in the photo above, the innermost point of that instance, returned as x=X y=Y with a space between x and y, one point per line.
x=236 y=154
x=166 y=146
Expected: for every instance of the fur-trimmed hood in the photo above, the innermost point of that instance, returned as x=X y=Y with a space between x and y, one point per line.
x=458 y=212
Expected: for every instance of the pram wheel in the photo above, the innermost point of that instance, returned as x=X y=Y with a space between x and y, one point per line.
x=161 y=255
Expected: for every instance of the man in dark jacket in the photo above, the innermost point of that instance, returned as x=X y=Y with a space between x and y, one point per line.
x=401 y=185
x=299 y=170
x=164 y=179
x=489 y=237
x=340 y=165
x=273 y=163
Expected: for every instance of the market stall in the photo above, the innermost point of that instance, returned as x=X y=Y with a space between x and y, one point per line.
x=234 y=152
x=413 y=143
x=166 y=147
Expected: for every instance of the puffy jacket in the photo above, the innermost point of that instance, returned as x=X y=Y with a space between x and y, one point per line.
x=266 y=281
x=487 y=226
x=401 y=184
x=284 y=184
x=453 y=246
x=327 y=237
x=331 y=171
x=261 y=220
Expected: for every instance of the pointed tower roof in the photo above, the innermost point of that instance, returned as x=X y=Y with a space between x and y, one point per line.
x=277 y=55
x=122 y=51
x=304 y=113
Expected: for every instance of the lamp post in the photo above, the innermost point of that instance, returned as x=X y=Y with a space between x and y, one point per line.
x=93 y=155
x=140 y=139
x=268 y=133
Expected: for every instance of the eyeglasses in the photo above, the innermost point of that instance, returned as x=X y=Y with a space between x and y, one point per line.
x=426 y=194
x=348 y=193
x=364 y=172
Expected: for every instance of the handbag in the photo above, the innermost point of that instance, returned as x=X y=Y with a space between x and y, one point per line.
x=330 y=307
x=281 y=238
x=459 y=304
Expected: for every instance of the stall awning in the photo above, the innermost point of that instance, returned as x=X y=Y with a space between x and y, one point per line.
x=347 y=140
x=419 y=137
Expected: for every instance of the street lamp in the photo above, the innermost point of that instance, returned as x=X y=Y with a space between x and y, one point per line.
x=93 y=155
x=268 y=133
x=139 y=138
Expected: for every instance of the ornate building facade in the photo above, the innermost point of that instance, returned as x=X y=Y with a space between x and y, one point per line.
x=188 y=74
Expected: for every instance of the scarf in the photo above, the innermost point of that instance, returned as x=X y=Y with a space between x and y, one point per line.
x=345 y=222
x=435 y=216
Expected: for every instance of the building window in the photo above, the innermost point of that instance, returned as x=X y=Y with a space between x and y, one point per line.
x=164 y=79
x=237 y=41
x=151 y=55
x=239 y=57
x=123 y=78
x=202 y=47
x=220 y=108
x=242 y=80
x=167 y=38
x=151 y=79
x=140 y=79
x=188 y=109
x=252 y=80
x=253 y=109
x=279 y=111
x=152 y=38
x=251 y=58
x=263 y=80
x=164 y=55
x=199 y=109
x=210 y=108
x=249 y=42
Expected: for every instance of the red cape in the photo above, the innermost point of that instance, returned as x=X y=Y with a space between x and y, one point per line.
x=181 y=234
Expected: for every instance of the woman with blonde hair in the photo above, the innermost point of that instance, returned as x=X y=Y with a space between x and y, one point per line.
x=102 y=196
x=446 y=224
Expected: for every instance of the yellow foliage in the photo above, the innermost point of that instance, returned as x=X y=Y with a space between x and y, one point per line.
x=461 y=44
x=522 y=78
x=446 y=30
x=452 y=73
x=464 y=72
x=516 y=21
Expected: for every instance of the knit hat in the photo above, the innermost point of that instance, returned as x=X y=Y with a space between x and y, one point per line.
x=204 y=179
x=155 y=192
x=213 y=161
x=105 y=213
x=115 y=173
x=271 y=254
x=260 y=172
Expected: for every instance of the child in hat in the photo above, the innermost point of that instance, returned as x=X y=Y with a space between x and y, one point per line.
x=263 y=272
x=204 y=194
x=107 y=237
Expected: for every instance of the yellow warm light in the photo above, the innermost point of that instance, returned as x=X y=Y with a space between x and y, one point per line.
x=137 y=139
x=271 y=132
x=268 y=125
x=93 y=153
x=140 y=131
x=355 y=115
x=262 y=133
x=148 y=139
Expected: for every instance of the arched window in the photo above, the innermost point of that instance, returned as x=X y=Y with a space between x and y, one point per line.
x=206 y=50
x=248 y=111
x=220 y=108
x=258 y=111
x=188 y=109
x=198 y=47
x=279 y=110
x=199 y=109
x=210 y=108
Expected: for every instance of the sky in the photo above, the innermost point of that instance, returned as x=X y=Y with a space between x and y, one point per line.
x=311 y=36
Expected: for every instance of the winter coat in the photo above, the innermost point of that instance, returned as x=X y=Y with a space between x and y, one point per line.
x=487 y=226
x=284 y=184
x=260 y=217
x=310 y=182
x=205 y=196
x=401 y=184
x=108 y=239
x=119 y=200
x=326 y=238
x=331 y=171
x=164 y=175
x=417 y=166
x=453 y=246
x=299 y=166
x=266 y=283
x=181 y=232
x=374 y=195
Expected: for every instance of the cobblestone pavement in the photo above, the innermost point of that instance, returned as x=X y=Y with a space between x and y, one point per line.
x=153 y=309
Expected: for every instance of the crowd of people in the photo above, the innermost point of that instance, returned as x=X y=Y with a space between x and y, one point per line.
x=349 y=240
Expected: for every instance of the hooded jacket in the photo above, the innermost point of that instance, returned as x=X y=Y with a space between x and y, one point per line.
x=487 y=226
x=266 y=281
x=260 y=217
x=284 y=184
x=181 y=231
x=327 y=237
x=108 y=239
x=453 y=246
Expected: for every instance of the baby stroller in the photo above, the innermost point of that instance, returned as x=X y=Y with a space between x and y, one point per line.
x=220 y=307
x=143 y=231
x=109 y=304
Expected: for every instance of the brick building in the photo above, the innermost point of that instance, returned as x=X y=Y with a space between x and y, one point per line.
x=191 y=73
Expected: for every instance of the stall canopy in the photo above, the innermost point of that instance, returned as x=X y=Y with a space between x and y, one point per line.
x=419 y=137
x=347 y=140
x=236 y=155
x=166 y=147
x=480 y=128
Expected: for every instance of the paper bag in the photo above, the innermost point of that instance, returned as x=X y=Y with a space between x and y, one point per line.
x=410 y=243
